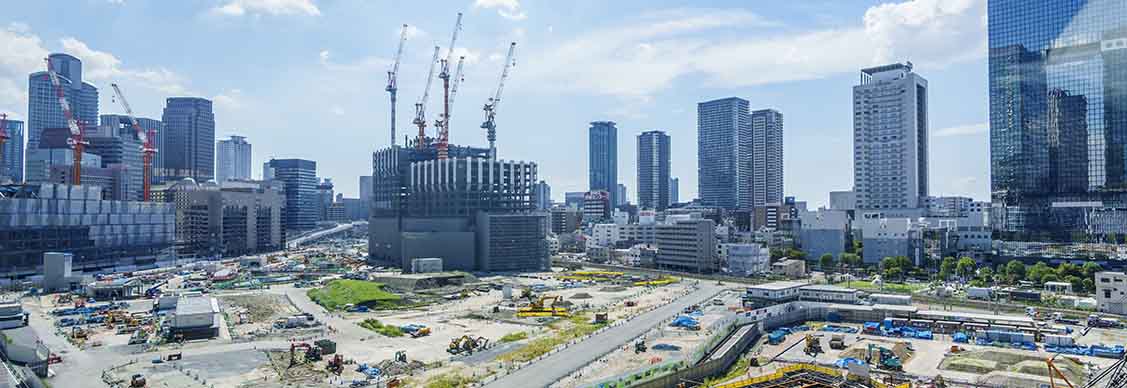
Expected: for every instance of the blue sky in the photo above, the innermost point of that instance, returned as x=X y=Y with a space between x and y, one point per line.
x=305 y=78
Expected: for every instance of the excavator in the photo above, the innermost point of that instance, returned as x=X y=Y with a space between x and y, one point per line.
x=312 y=353
x=545 y=306
x=885 y=358
x=466 y=344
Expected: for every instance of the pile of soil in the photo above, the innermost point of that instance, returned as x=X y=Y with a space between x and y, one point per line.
x=581 y=295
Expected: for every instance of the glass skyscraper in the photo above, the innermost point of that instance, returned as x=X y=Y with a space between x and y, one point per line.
x=724 y=153
x=1058 y=119
x=43 y=110
x=602 y=161
x=11 y=165
x=653 y=170
x=189 y=140
x=767 y=157
x=232 y=159
x=300 y=179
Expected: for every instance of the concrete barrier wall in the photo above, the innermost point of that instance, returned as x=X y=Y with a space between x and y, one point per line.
x=706 y=369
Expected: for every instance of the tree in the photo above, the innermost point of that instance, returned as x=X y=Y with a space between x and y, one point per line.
x=1068 y=269
x=986 y=275
x=1089 y=285
x=947 y=267
x=796 y=254
x=1016 y=271
x=894 y=273
x=1049 y=277
x=777 y=253
x=1000 y=273
x=965 y=267
x=1090 y=268
x=826 y=261
x=1037 y=272
x=1076 y=282
x=851 y=260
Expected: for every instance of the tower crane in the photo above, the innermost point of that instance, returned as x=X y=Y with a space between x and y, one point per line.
x=77 y=139
x=444 y=74
x=491 y=105
x=421 y=106
x=443 y=124
x=392 y=77
x=147 y=148
x=3 y=138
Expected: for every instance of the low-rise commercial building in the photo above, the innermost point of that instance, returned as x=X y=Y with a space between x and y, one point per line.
x=829 y=294
x=687 y=245
x=196 y=317
x=824 y=232
x=790 y=268
x=772 y=293
x=745 y=259
x=1111 y=292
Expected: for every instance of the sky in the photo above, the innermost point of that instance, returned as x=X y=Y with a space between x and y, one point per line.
x=305 y=78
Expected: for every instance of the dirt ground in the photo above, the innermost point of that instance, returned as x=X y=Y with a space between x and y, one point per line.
x=252 y=314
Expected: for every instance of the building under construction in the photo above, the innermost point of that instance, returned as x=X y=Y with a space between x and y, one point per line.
x=474 y=212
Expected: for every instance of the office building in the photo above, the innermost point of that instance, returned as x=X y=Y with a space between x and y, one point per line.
x=620 y=195
x=824 y=231
x=43 y=109
x=543 y=196
x=653 y=170
x=574 y=199
x=566 y=219
x=324 y=199
x=472 y=210
x=602 y=158
x=299 y=179
x=1058 y=119
x=12 y=162
x=890 y=154
x=674 y=186
x=219 y=221
x=745 y=259
x=1111 y=292
x=103 y=235
x=365 y=195
x=724 y=153
x=596 y=207
x=687 y=245
x=120 y=125
x=189 y=140
x=766 y=172
x=890 y=237
x=232 y=159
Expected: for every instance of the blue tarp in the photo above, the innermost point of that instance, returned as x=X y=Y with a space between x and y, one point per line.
x=961 y=337
x=844 y=362
x=923 y=334
x=839 y=329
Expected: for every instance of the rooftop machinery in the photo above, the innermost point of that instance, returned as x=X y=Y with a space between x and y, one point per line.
x=491 y=105
x=147 y=147
x=77 y=139
x=444 y=74
x=392 y=78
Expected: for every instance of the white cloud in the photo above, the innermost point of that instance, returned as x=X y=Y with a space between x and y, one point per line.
x=104 y=66
x=508 y=9
x=24 y=53
x=231 y=99
x=412 y=32
x=962 y=130
x=644 y=55
x=268 y=7
x=324 y=57
x=472 y=56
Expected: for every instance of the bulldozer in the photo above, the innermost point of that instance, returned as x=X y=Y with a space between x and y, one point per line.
x=545 y=306
x=466 y=344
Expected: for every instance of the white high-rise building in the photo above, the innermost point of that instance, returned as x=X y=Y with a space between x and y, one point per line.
x=890 y=172
x=766 y=157
x=232 y=159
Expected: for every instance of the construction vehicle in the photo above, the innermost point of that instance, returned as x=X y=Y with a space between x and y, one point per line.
x=545 y=306
x=885 y=358
x=837 y=341
x=466 y=344
x=312 y=353
x=393 y=78
x=77 y=140
x=631 y=303
x=54 y=358
x=813 y=345
x=139 y=337
x=336 y=365
x=138 y=381
x=147 y=147
x=443 y=125
x=175 y=357
x=639 y=347
x=401 y=356
x=600 y=318
x=491 y=105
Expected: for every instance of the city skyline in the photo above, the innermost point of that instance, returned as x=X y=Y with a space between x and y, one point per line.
x=326 y=88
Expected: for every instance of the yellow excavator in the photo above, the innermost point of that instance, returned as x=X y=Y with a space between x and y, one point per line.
x=466 y=344
x=545 y=306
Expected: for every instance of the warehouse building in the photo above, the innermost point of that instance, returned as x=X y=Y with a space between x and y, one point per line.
x=196 y=317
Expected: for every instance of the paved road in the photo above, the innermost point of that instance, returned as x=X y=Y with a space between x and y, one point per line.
x=337 y=229
x=555 y=367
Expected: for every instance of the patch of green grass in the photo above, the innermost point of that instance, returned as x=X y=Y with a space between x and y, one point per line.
x=385 y=330
x=738 y=369
x=342 y=292
x=449 y=380
x=896 y=288
x=580 y=326
x=514 y=337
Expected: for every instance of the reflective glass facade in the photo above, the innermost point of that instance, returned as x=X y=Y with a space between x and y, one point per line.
x=724 y=153
x=1058 y=118
x=602 y=158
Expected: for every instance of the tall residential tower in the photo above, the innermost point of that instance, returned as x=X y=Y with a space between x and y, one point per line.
x=602 y=160
x=653 y=170
x=724 y=153
x=766 y=157
x=232 y=159
x=890 y=140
